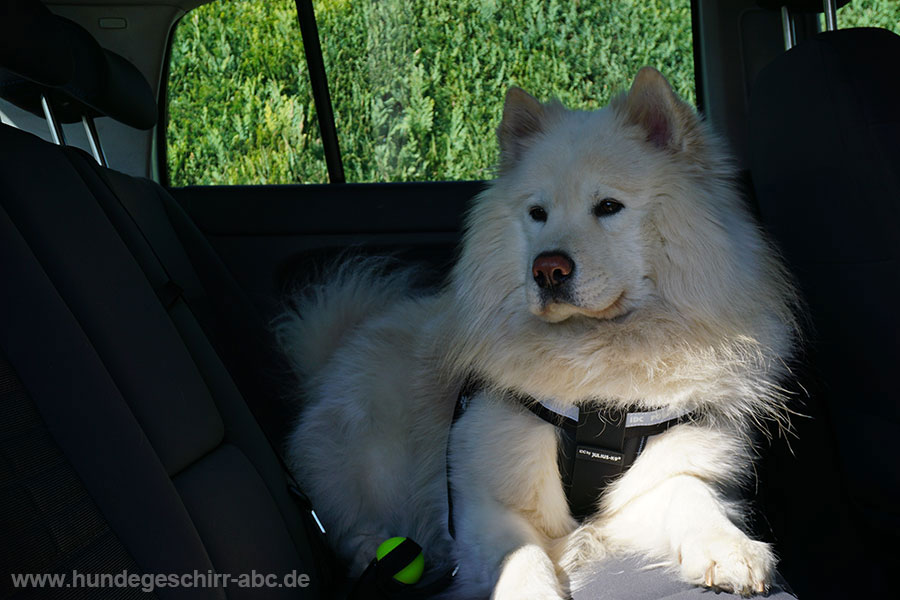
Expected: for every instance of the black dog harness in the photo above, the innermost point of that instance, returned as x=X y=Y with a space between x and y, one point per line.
x=596 y=444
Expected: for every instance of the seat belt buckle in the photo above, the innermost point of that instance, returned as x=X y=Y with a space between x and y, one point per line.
x=597 y=454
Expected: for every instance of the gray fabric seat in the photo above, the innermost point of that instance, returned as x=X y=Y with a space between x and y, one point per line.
x=632 y=578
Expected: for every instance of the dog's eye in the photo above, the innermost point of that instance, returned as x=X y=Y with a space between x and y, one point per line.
x=537 y=213
x=607 y=206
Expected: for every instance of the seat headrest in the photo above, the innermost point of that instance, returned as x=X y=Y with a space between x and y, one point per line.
x=33 y=44
x=99 y=82
x=823 y=146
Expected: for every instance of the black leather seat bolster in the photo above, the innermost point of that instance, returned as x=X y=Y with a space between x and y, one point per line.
x=128 y=202
x=825 y=159
x=89 y=418
x=131 y=389
x=116 y=306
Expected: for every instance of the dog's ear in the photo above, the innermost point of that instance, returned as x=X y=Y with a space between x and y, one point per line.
x=652 y=105
x=523 y=118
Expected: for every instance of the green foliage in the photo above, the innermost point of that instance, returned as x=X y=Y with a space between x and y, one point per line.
x=417 y=86
x=240 y=108
x=870 y=13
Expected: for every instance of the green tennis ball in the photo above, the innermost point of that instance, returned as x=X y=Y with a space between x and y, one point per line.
x=409 y=574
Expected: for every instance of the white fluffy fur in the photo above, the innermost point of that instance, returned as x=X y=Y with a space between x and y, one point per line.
x=677 y=300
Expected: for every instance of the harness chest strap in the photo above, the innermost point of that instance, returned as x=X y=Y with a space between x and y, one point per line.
x=595 y=444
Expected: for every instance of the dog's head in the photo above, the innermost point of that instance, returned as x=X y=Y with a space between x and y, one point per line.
x=600 y=201
x=616 y=226
x=577 y=201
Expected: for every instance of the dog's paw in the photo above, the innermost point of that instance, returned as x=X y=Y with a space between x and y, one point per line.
x=582 y=546
x=527 y=574
x=728 y=561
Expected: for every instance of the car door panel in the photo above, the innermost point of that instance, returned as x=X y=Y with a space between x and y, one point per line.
x=273 y=238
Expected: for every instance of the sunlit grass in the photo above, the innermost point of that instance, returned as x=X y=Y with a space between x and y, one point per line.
x=417 y=85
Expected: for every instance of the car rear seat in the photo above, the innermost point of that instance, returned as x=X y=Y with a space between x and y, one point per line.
x=128 y=359
x=125 y=443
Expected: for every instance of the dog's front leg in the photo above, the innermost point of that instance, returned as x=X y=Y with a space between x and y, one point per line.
x=527 y=572
x=507 y=503
x=670 y=506
x=499 y=550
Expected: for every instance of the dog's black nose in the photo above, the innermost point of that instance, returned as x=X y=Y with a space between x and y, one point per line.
x=551 y=269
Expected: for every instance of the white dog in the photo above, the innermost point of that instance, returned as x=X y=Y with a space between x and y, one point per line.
x=610 y=265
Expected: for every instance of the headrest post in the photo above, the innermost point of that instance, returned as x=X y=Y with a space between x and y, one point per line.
x=56 y=131
x=830 y=9
x=94 y=140
x=787 y=26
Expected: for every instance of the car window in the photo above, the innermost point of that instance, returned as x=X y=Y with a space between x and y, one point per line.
x=869 y=13
x=417 y=86
x=239 y=104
